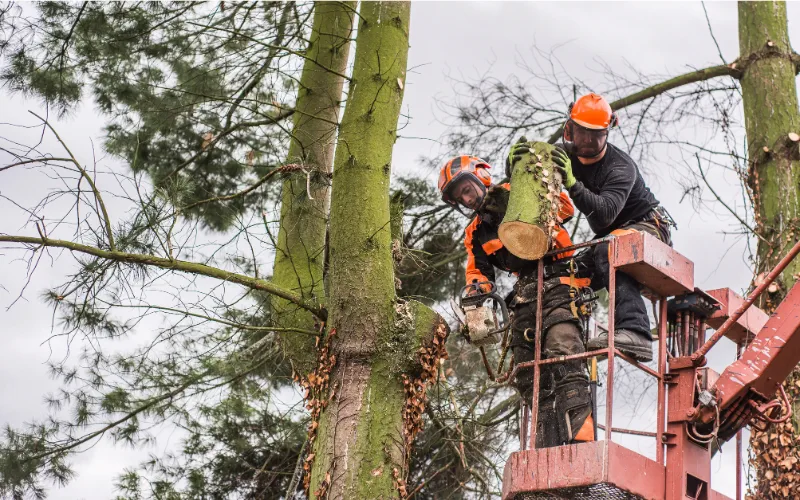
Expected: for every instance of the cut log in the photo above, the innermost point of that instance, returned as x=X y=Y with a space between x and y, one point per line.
x=529 y=225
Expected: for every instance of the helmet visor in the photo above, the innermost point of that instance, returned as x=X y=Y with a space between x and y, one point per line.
x=587 y=142
x=466 y=190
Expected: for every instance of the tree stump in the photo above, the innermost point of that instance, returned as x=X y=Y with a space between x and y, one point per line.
x=531 y=220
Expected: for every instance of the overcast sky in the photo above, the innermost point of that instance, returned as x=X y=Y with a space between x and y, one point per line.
x=656 y=38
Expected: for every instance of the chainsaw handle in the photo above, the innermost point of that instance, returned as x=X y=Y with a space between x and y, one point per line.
x=465 y=292
x=503 y=311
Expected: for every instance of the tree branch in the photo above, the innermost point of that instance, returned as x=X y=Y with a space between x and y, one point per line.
x=232 y=324
x=259 y=182
x=175 y=265
x=695 y=76
x=434 y=265
x=106 y=220
x=719 y=199
x=36 y=160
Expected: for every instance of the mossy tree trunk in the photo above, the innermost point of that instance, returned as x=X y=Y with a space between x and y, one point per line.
x=772 y=119
x=530 y=221
x=360 y=435
x=300 y=254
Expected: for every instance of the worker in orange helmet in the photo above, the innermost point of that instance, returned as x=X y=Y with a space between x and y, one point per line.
x=564 y=403
x=606 y=186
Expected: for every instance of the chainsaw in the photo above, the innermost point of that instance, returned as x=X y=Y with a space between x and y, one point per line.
x=479 y=305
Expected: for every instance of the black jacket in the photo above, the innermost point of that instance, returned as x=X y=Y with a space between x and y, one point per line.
x=610 y=192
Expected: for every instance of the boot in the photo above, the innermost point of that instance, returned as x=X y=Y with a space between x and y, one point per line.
x=565 y=409
x=631 y=343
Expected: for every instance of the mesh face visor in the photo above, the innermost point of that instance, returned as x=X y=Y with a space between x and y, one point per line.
x=465 y=190
x=586 y=142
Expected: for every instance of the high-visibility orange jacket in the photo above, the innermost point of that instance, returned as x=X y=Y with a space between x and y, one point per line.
x=485 y=251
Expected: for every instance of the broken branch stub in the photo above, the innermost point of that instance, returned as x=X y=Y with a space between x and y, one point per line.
x=531 y=220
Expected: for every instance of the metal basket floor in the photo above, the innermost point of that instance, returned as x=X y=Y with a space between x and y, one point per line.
x=600 y=491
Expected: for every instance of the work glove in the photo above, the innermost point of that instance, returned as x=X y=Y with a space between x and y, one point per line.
x=476 y=289
x=518 y=149
x=564 y=165
x=496 y=200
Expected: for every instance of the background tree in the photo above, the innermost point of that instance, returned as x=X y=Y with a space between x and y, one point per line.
x=174 y=82
x=772 y=121
x=167 y=76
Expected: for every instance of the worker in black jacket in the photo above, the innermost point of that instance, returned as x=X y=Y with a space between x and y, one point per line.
x=606 y=186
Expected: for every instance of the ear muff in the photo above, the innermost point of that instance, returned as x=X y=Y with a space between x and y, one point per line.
x=614 y=121
x=568 y=131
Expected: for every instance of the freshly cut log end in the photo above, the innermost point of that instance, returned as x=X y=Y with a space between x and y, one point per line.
x=526 y=241
x=532 y=215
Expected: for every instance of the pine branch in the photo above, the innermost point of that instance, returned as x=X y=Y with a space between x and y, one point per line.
x=176 y=265
x=108 y=427
x=435 y=265
x=232 y=324
x=249 y=189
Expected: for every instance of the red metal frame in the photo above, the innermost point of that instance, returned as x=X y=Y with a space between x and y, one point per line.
x=605 y=462
x=695 y=404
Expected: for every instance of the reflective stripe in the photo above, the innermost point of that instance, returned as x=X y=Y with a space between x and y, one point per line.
x=581 y=282
x=473 y=273
x=586 y=432
x=492 y=246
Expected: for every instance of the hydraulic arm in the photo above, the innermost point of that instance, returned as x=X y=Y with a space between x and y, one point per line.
x=745 y=392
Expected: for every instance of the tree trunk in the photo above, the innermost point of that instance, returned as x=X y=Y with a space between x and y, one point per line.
x=358 y=450
x=300 y=253
x=529 y=224
x=771 y=114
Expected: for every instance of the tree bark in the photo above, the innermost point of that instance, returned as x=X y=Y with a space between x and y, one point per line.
x=358 y=450
x=769 y=94
x=300 y=253
x=528 y=226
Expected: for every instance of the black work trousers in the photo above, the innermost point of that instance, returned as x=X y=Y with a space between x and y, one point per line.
x=564 y=399
x=630 y=312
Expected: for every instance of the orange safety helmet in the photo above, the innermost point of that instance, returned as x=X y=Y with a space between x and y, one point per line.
x=464 y=169
x=586 y=130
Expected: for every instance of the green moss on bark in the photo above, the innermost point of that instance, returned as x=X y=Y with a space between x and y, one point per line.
x=769 y=95
x=361 y=272
x=383 y=426
x=415 y=326
x=770 y=107
x=365 y=417
x=528 y=225
x=299 y=259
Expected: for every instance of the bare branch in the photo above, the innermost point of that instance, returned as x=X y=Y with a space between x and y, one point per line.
x=659 y=88
x=105 y=218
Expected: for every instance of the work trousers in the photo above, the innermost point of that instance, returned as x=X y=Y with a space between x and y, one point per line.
x=630 y=312
x=564 y=398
